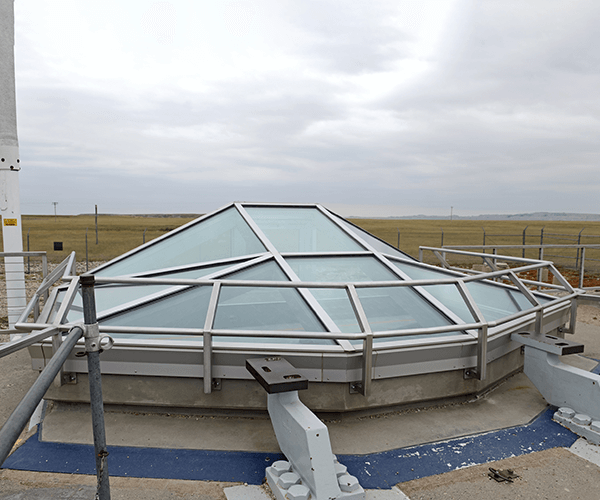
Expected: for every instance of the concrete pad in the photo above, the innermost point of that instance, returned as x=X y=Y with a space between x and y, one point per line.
x=17 y=485
x=589 y=336
x=554 y=473
x=393 y=494
x=584 y=449
x=579 y=361
x=246 y=492
x=515 y=402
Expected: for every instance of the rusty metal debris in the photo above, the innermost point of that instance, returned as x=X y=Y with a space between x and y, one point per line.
x=503 y=475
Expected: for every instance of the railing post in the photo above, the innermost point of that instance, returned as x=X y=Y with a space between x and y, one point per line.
x=367 y=364
x=207 y=355
x=582 y=267
x=92 y=347
x=45 y=273
x=482 y=352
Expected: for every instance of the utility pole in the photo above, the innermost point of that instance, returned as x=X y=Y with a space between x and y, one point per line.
x=10 y=204
x=451 y=214
x=55 y=203
x=96 y=218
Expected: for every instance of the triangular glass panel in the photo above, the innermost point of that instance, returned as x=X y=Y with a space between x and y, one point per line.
x=446 y=294
x=398 y=308
x=295 y=229
x=192 y=274
x=350 y=269
x=221 y=236
x=106 y=297
x=376 y=243
x=184 y=309
x=336 y=303
x=264 y=308
x=266 y=271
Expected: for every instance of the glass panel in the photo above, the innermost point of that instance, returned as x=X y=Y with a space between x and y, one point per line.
x=377 y=244
x=221 y=236
x=446 y=294
x=186 y=309
x=340 y=269
x=267 y=271
x=293 y=229
x=247 y=308
x=107 y=297
x=398 y=308
x=337 y=305
x=495 y=302
x=416 y=272
x=192 y=274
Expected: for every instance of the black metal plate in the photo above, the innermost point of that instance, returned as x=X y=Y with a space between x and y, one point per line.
x=276 y=374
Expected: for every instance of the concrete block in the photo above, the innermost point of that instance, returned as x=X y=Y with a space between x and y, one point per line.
x=581 y=425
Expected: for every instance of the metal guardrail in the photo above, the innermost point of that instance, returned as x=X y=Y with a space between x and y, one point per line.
x=580 y=259
x=93 y=346
x=368 y=337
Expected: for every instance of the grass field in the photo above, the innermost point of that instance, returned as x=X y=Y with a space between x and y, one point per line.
x=118 y=234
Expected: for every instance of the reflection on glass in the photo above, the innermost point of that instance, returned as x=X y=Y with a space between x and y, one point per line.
x=377 y=244
x=266 y=271
x=398 y=308
x=248 y=308
x=340 y=269
x=186 y=309
x=446 y=294
x=192 y=274
x=221 y=236
x=293 y=229
x=337 y=305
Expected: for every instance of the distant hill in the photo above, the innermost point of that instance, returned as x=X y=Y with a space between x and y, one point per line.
x=555 y=216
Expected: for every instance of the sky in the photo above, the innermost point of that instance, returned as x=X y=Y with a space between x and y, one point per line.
x=378 y=108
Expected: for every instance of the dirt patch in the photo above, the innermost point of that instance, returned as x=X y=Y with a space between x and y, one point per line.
x=550 y=474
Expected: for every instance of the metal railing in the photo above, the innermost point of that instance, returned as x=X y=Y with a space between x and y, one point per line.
x=367 y=336
x=18 y=419
x=28 y=254
x=580 y=259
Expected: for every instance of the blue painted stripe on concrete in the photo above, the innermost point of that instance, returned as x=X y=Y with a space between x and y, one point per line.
x=384 y=470
x=377 y=470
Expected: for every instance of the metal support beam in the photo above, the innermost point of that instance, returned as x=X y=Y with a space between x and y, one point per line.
x=93 y=349
x=311 y=470
x=561 y=385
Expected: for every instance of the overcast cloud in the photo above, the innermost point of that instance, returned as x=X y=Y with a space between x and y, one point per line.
x=371 y=108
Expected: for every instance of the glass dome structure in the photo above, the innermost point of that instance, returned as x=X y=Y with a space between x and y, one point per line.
x=356 y=314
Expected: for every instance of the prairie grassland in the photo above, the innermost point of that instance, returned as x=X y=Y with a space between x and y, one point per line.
x=118 y=234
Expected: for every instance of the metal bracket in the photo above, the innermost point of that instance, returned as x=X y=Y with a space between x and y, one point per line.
x=561 y=385
x=94 y=339
x=311 y=470
x=356 y=388
x=470 y=373
x=69 y=378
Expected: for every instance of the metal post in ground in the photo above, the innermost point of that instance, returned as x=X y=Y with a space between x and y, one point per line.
x=483 y=239
x=578 y=249
x=524 y=239
x=92 y=348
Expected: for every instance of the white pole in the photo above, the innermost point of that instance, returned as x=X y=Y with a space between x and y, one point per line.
x=10 y=209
